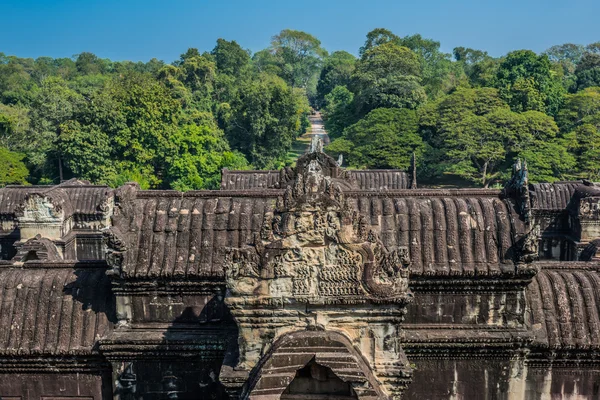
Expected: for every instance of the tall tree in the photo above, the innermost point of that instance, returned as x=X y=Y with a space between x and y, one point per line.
x=526 y=82
x=53 y=105
x=337 y=71
x=579 y=121
x=265 y=120
x=377 y=37
x=439 y=75
x=230 y=58
x=474 y=135
x=588 y=71
x=387 y=76
x=89 y=64
x=338 y=111
x=299 y=55
x=479 y=67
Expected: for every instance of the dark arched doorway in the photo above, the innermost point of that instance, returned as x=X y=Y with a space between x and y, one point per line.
x=315 y=365
x=317 y=382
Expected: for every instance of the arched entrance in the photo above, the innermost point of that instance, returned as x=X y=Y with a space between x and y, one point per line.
x=317 y=364
x=316 y=381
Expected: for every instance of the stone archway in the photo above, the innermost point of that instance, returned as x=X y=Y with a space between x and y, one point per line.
x=324 y=362
x=316 y=381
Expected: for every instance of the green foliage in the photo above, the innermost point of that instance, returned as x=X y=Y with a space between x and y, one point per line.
x=477 y=137
x=580 y=122
x=176 y=125
x=14 y=126
x=385 y=138
x=337 y=71
x=587 y=72
x=376 y=38
x=387 y=76
x=230 y=58
x=438 y=74
x=525 y=82
x=298 y=55
x=338 y=111
x=265 y=120
x=13 y=169
x=86 y=151
x=199 y=154
x=90 y=64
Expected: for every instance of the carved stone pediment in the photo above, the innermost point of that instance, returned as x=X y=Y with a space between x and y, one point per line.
x=38 y=208
x=314 y=255
x=314 y=248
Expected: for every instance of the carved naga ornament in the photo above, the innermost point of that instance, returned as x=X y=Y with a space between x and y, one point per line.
x=315 y=248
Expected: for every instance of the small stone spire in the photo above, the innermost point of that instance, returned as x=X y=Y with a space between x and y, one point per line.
x=316 y=145
x=413 y=168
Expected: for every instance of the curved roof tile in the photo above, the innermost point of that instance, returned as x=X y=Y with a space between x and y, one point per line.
x=56 y=311
x=565 y=308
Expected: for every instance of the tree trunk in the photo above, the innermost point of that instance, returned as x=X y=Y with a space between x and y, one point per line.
x=60 y=170
x=485 y=183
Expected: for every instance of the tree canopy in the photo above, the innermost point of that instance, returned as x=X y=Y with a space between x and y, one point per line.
x=466 y=115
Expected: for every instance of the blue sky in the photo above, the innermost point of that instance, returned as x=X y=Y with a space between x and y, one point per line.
x=140 y=30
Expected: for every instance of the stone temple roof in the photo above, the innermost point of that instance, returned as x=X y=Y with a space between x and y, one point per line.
x=565 y=306
x=53 y=310
x=448 y=232
x=368 y=179
x=50 y=308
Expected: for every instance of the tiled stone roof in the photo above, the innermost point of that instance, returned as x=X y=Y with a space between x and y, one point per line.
x=53 y=311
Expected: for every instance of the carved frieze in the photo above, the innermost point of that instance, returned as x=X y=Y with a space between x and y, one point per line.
x=314 y=248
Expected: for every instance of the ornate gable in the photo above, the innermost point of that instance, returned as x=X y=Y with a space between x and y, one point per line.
x=313 y=256
x=315 y=248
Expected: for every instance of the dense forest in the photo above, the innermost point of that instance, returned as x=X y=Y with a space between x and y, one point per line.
x=466 y=116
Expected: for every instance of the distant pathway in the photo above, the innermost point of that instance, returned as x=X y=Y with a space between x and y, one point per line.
x=302 y=143
x=316 y=122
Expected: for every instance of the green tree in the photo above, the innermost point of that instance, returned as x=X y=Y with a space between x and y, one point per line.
x=337 y=71
x=565 y=52
x=474 y=135
x=89 y=64
x=385 y=138
x=87 y=152
x=14 y=127
x=387 y=76
x=580 y=108
x=588 y=71
x=199 y=154
x=338 y=111
x=525 y=82
x=230 y=58
x=13 y=169
x=16 y=84
x=478 y=66
x=299 y=55
x=439 y=75
x=264 y=121
x=54 y=104
x=377 y=37
x=579 y=120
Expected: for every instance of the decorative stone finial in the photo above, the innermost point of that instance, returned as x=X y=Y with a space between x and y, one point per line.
x=316 y=145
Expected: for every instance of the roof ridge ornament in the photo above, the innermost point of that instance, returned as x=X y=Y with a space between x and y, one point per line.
x=518 y=188
x=316 y=145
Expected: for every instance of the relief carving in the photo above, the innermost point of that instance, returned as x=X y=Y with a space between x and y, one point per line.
x=115 y=248
x=39 y=209
x=314 y=248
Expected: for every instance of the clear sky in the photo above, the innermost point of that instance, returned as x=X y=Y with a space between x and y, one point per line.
x=143 y=29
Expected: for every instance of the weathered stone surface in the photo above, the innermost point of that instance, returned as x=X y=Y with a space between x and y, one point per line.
x=311 y=281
